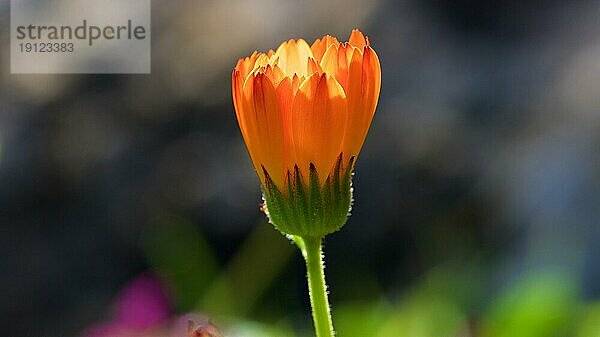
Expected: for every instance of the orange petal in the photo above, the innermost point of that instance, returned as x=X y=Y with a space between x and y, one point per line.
x=261 y=116
x=275 y=74
x=245 y=65
x=285 y=94
x=293 y=56
x=296 y=82
x=313 y=67
x=357 y=39
x=329 y=60
x=319 y=115
x=371 y=76
x=319 y=47
x=237 y=85
x=270 y=123
x=335 y=62
x=261 y=61
x=364 y=83
x=244 y=113
x=350 y=50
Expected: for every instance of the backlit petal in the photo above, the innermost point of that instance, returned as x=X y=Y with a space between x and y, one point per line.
x=335 y=62
x=357 y=39
x=319 y=115
x=319 y=47
x=275 y=74
x=245 y=65
x=262 y=119
x=313 y=67
x=364 y=82
x=293 y=56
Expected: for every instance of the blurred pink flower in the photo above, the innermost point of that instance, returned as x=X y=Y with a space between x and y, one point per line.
x=143 y=303
x=141 y=307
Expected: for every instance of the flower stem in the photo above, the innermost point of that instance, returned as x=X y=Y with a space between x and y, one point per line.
x=316 y=286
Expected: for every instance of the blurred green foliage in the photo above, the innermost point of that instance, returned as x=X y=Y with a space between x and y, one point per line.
x=361 y=318
x=178 y=252
x=540 y=305
x=589 y=325
x=446 y=302
x=249 y=273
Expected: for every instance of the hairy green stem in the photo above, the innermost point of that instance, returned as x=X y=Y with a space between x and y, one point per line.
x=316 y=286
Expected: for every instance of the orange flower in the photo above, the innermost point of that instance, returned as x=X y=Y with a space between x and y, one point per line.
x=306 y=104
x=305 y=108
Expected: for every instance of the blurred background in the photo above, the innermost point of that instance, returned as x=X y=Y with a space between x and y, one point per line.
x=131 y=198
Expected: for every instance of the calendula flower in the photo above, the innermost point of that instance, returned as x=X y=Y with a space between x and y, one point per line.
x=304 y=112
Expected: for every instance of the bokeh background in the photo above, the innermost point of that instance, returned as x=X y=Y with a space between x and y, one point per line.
x=477 y=191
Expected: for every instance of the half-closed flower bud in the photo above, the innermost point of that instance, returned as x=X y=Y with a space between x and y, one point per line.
x=304 y=112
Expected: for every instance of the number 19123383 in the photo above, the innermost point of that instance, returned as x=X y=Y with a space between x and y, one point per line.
x=46 y=47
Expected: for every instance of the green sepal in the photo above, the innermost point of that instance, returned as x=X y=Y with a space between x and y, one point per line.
x=278 y=210
x=307 y=208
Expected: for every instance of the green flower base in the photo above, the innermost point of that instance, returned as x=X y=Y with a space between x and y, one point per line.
x=307 y=209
